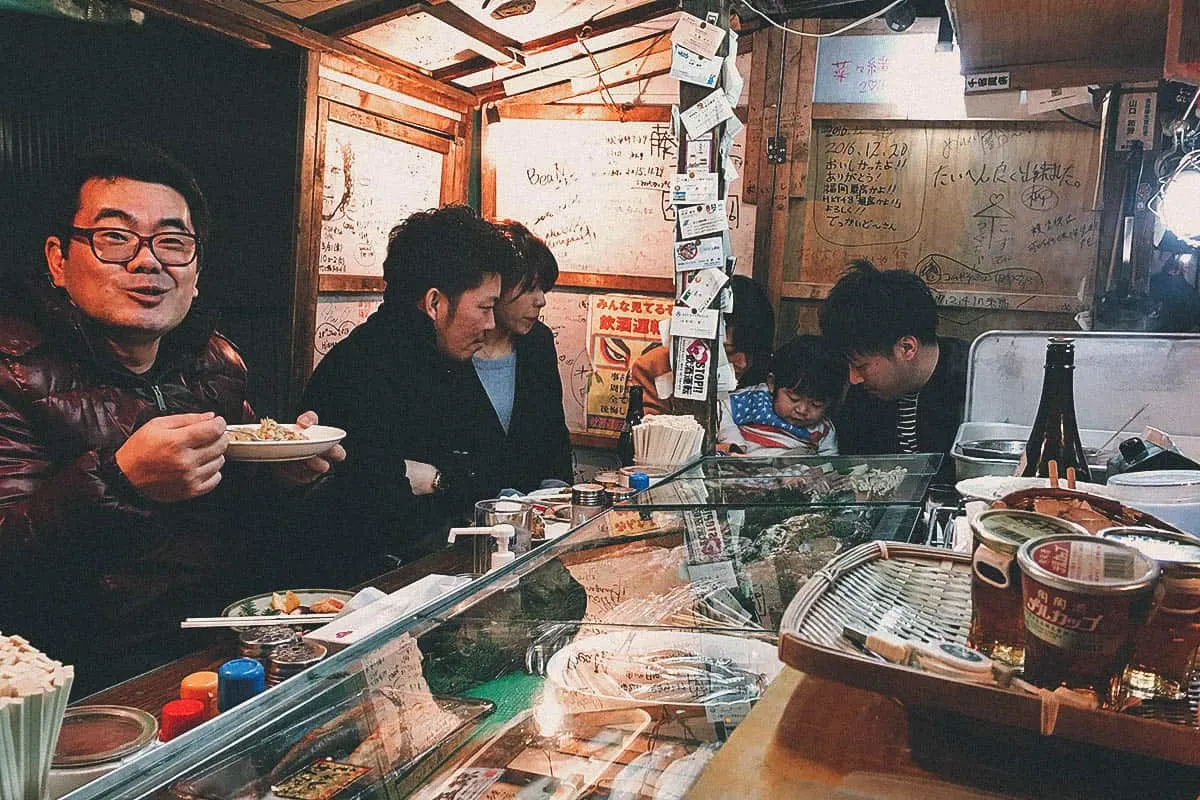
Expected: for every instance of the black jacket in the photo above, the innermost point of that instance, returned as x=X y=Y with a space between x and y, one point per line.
x=537 y=445
x=94 y=573
x=866 y=425
x=393 y=392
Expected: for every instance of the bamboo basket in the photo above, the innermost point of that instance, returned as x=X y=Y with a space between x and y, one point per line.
x=924 y=593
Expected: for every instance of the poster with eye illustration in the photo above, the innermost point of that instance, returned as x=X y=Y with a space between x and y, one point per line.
x=620 y=329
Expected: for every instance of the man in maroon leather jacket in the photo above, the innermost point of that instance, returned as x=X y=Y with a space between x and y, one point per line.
x=115 y=522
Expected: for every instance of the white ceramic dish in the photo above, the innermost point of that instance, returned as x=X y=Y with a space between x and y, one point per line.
x=573 y=669
x=260 y=604
x=317 y=439
x=994 y=487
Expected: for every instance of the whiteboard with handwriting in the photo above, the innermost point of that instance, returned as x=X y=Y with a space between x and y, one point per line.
x=566 y=315
x=992 y=215
x=370 y=183
x=337 y=315
x=598 y=192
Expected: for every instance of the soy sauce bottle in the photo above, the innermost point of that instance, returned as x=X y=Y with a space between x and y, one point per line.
x=633 y=416
x=1055 y=434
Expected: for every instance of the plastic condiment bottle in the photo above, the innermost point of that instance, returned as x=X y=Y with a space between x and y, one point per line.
x=639 y=481
x=237 y=681
x=180 y=716
x=201 y=686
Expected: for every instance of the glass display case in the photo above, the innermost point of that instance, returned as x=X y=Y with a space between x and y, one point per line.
x=612 y=662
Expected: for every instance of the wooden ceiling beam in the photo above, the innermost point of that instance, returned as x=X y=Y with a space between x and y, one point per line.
x=209 y=20
x=468 y=67
x=404 y=79
x=613 y=22
x=653 y=65
x=605 y=60
x=464 y=23
x=348 y=19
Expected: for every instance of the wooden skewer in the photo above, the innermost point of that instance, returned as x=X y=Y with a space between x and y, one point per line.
x=1070 y=477
x=1053 y=474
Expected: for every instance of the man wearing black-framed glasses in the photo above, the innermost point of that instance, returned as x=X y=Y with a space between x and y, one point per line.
x=118 y=513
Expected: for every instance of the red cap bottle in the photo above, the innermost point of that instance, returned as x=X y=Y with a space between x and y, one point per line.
x=179 y=716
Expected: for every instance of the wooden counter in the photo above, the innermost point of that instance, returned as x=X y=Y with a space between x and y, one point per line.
x=813 y=739
x=151 y=690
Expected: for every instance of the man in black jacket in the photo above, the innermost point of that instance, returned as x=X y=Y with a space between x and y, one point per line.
x=392 y=385
x=119 y=515
x=907 y=385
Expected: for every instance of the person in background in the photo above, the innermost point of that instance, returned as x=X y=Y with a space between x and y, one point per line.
x=749 y=335
x=907 y=385
x=118 y=514
x=1177 y=306
x=395 y=385
x=512 y=400
x=790 y=411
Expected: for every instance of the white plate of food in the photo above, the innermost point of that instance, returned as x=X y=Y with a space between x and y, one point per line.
x=994 y=487
x=289 y=602
x=269 y=440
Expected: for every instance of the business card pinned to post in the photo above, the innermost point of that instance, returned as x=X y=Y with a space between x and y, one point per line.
x=699 y=36
x=699 y=254
x=695 y=323
x=702 y=220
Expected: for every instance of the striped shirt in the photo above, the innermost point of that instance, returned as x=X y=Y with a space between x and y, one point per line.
x=906 y=423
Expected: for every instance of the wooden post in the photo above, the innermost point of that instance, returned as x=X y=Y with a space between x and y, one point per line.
x=689 y=94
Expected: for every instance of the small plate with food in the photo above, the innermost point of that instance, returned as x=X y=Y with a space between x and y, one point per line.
x=290 y=602
x=269 y=440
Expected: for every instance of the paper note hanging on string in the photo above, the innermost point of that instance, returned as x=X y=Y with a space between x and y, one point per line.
x=694 y=188
x=731 y=80
x=694 y=68
x=692 y=368
x=697 y=35
x=701 y=220
x=703 y=288
x=695 y=323
x=707 y=113
x=699 y=254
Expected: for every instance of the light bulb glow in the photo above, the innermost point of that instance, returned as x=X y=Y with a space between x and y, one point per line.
x=1180 y=206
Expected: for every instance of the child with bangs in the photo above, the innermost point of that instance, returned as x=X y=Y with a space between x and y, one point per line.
x=790 y=412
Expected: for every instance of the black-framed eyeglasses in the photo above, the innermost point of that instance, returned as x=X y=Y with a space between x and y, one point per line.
x=120 y=245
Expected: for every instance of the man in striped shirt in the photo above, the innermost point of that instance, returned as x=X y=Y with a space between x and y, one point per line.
x=907 y=384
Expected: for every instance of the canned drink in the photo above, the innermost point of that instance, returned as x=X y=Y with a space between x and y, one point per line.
x=997 y=623
x=1084 y=598
x=1164 y=651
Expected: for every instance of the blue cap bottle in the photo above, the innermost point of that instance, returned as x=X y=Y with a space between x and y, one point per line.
x=238 y=680
x=639 y=481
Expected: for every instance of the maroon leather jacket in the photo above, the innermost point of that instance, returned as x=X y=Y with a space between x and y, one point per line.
x=94 y=573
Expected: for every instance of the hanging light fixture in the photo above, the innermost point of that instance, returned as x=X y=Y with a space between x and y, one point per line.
x=1177 y=203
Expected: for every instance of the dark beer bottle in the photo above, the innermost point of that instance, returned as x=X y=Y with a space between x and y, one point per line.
x=633 y=415
x=1055 y=434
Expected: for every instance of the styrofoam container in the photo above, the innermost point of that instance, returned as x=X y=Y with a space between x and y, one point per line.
x=1172 y=495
